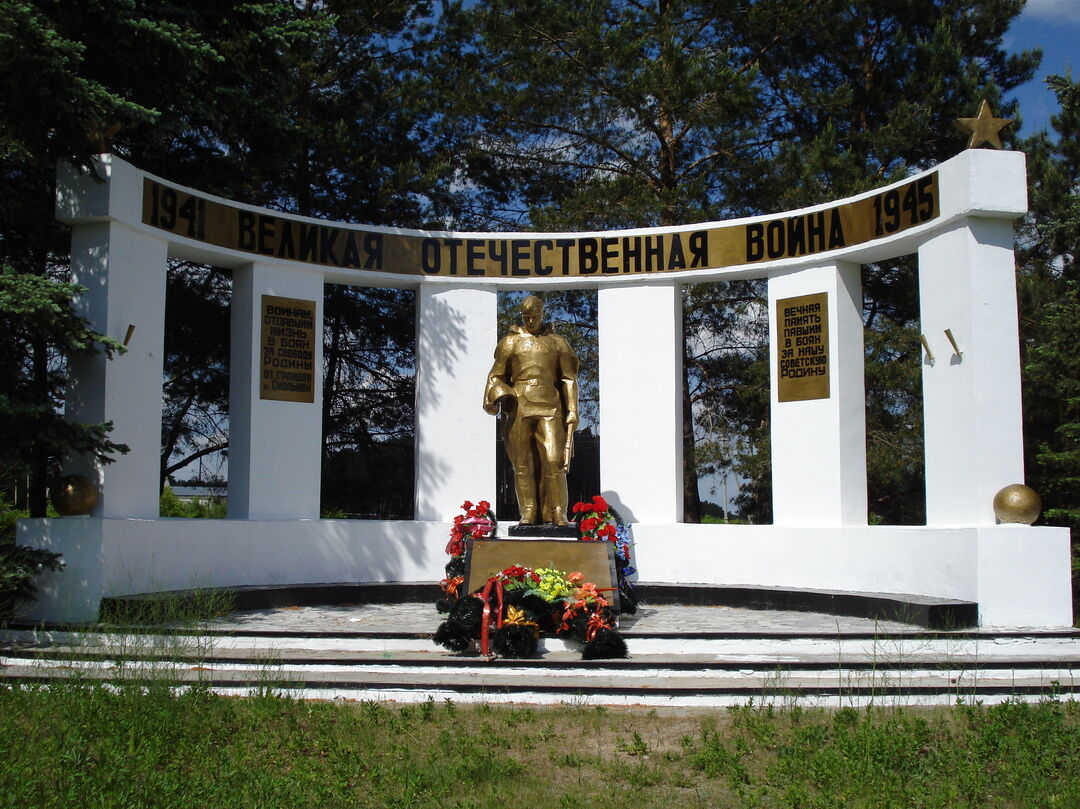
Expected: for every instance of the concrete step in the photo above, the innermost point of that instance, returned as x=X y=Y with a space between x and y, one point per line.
x=781 y=655
x=694 y=669
x=600 y=685
x=1015 y=645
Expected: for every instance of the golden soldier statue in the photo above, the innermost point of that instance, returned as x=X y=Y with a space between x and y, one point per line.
x=534 y=380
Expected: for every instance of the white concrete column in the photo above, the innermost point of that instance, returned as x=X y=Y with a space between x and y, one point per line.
x=123 y=272
x=819 y=444
x=971 y=396
x=455 y=438
x=274 y=446
x=641 y=424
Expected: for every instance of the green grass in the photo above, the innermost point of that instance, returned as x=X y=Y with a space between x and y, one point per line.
x=92 y=745
x=184 y=610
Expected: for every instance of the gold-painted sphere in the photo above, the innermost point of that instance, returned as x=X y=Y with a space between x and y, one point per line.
x=1017 y=503
x=74 y=494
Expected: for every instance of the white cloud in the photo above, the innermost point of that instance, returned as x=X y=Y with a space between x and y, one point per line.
x=1054 y=10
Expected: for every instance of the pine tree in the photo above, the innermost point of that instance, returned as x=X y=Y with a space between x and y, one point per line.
x=36 y=311
x=327 y=126
x=1049 y=284
x=612 y=113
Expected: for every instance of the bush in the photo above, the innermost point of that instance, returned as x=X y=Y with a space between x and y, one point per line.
x=19 y=565
x=210 y=508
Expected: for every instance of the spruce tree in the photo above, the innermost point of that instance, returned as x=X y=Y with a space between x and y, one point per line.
x=307 y=107
x=1049 y=285
x=71 y=77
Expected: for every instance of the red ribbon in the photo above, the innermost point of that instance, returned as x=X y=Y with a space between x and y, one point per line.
x=485 y=625
x=595 y=624
x=450 y=586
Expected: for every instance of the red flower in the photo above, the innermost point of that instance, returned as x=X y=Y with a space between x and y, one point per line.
x=589 y=524
x=599 y=504
x=455 y=547
x=607 y=531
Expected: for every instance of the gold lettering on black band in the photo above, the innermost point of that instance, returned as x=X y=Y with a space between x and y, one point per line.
x=330 y=244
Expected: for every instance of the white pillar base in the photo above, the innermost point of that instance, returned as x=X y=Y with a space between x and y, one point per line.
x=123 y=272
x=972 y=413
x=455 y=438
x=275 y=447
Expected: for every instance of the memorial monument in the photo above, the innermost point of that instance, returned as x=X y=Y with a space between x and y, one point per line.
x=956 y=218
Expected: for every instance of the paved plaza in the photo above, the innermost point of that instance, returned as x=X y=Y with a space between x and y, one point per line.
x=423 y=618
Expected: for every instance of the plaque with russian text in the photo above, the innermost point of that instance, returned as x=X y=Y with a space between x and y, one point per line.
x=802 y=336
x=288 y=350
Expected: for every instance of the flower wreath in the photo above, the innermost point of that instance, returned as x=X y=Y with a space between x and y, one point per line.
x=519 y=603
x=478 y=522
x=598 y=522
x=507 y=616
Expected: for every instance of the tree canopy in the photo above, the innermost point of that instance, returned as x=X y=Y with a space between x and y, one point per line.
x=616 y=113
x=516 y=115
x=1049 y=285
x=308 y=107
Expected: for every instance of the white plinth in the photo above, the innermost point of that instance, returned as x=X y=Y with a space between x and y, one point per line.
x=641 y=423
x=455 y=438
x=274 y=446
x=819 y=446
x=1018 y=575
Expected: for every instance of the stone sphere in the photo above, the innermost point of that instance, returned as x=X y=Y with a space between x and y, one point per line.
x=74 y=494
x=1017 y=503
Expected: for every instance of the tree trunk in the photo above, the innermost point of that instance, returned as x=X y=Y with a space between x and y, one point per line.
x=39 y=459
x=332 y=356
x=691 y=496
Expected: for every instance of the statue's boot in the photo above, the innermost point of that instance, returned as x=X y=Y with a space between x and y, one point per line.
x=525 y=486
x=555 y=499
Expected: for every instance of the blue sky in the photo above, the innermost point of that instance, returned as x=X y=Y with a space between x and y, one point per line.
x=1054 y=26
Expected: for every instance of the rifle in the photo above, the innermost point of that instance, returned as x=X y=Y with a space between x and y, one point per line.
x=568 y=450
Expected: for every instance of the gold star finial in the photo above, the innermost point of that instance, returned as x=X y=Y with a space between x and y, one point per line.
x=984 y=127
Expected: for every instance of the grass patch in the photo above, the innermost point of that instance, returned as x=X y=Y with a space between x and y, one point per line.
x=110 y=745
x=187 y=609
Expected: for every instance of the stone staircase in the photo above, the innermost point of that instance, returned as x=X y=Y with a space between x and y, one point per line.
x=691 y=668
